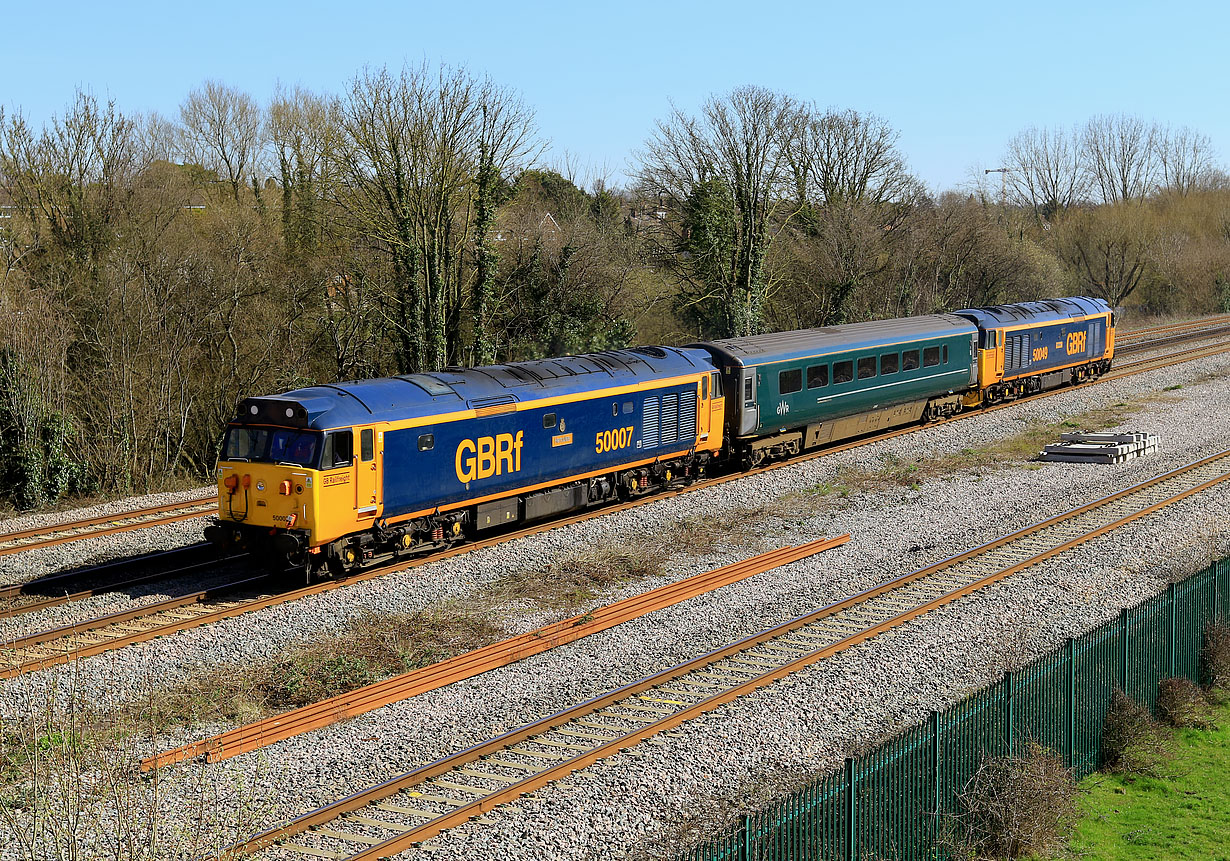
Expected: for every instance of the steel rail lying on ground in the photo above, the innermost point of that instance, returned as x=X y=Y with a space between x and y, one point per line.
x=445 y=793
x=345 y=706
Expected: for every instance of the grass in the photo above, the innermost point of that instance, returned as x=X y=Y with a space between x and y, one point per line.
x=1183 y=816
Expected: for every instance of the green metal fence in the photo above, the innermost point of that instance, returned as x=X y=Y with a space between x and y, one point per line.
x=884 y=804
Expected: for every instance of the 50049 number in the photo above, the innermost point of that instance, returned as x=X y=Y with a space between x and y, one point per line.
x=612 y=440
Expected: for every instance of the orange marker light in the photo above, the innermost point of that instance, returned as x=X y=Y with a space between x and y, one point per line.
x=284 y=488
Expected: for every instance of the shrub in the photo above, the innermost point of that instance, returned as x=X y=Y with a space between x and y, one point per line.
x=1132 y=741
x=1181 y=703
x=1017 y=806
x=1215 y=656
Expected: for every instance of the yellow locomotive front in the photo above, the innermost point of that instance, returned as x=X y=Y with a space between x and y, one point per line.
x=267 y=489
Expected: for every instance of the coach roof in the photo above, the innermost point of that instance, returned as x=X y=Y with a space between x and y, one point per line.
x=410 y=396
x=850 y=337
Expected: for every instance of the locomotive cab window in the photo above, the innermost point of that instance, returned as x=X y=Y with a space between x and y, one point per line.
x=427 y=441
x=339 y=450
x=367 y=444
x=790 y=381
x=627 y=408
x=888 y=363
x=866 y=367
x=817 y=376
x=931 y=357
x=909 y=360
x=548 y=421
x=843 y=372
x=704 y=388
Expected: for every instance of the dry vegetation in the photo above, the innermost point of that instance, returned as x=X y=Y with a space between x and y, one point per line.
x=1133 y=742
x=1014 y=807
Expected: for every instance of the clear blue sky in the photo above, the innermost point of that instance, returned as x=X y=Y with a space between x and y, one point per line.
x=956 y=79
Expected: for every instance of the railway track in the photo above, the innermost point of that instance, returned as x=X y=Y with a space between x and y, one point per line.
x=390 y=817
x=1162 y=333
x=116 y=630
x=66 y=587
x=92 y=527
x=46 y=656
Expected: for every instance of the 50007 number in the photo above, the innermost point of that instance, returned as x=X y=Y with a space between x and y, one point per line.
x=613 y=440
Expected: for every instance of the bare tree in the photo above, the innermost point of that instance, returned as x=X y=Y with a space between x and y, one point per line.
x=304 y=132
x=1045 y=171
x=737 y=141
x=1120 y=154
x=844 y=157
x=419 y=148
x=1109 y=248
x=222 y=131
x=1186 y=159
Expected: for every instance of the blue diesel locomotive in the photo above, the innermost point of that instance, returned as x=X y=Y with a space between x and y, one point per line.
x=333 y=477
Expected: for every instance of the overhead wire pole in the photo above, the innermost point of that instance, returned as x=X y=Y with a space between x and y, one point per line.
x=1003 y=183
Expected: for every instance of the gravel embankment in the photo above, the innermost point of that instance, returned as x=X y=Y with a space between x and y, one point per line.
x=799 y=726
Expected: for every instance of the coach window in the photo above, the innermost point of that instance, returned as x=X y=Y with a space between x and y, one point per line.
x=888 y=363
x=909 y=360
x=427 y=441
x=945 y=354
x=339 y=450
x=548 y=421
x=367 y=444
x=747 y=390
x=866 y=367
x=789 y=382
x=843 y=372
x=931 y=357
x=817 y=376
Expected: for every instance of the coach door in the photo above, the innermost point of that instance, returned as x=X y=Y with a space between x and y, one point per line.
x=365 y=477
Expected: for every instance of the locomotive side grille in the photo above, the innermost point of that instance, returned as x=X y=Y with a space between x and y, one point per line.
x=1026 y=357
x=649 y=424
x=670 y=418
x=687 y=414
x=1010 y=353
